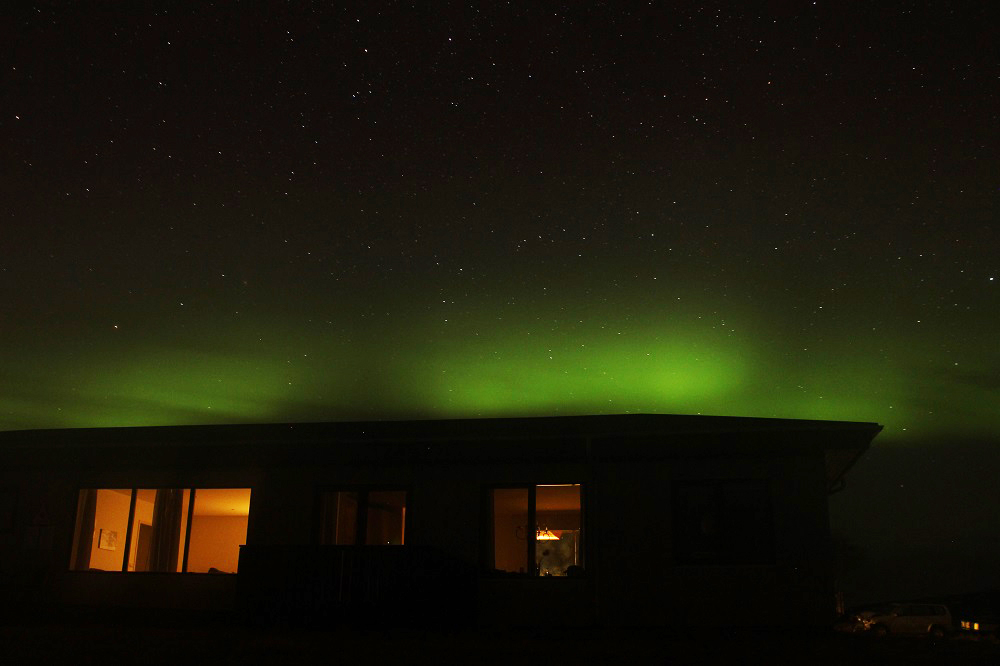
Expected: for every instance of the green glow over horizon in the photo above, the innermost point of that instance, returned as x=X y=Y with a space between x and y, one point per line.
x=478 y=369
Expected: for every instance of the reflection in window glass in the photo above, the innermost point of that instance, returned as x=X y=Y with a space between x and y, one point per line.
x=371 y=517
x=218 y=529
x=102 y=519
x=340 y=518
x=386 y=518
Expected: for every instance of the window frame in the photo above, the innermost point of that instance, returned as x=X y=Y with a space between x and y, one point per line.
x=489 y=542
x=361 y=520
x=129 y=535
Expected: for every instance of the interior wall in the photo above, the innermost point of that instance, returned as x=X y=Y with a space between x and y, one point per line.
x=510 y=547
x=215 y=542
x=559 y=520
x=111 y=514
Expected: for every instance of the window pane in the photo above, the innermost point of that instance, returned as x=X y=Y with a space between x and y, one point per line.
x=558 y=530
x=339 y=518
x=158 y=529
x=510 y=519
x=746 y=506
x=218 y=529
x=386 y=518
x=101 y=522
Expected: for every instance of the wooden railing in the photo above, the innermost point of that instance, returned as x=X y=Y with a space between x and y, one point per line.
x=364 y=584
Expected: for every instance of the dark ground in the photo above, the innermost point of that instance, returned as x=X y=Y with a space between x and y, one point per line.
x=126 y=643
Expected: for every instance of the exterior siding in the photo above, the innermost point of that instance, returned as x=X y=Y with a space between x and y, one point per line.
x=630 y=489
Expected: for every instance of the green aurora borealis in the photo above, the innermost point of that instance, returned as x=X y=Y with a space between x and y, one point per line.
x=447 y=364
x=212 y=215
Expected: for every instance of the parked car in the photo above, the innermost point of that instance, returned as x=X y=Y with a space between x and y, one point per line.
x=860 y=620
x=912 y=619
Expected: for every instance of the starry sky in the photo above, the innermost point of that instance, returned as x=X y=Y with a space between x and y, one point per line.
x=293 y=212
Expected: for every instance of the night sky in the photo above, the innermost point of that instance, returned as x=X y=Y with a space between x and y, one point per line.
x=288 y=212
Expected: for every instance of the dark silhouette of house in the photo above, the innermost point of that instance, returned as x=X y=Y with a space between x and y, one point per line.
x=615 y=520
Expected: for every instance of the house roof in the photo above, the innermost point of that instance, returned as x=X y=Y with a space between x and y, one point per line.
x=616 y=436
x=600 y=425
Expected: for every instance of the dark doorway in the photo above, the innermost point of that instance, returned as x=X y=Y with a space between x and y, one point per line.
x=143 y=547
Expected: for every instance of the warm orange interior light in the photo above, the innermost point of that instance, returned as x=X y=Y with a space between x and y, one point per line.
x=546 y=534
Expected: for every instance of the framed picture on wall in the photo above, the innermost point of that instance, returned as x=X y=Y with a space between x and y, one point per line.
x=108 y=540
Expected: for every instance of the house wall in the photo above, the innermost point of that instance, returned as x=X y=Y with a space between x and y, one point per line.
x=36 y=543
x=35 y=540
x=283 y=507
x=154 y=595
x=639 y=583
x=630 y=579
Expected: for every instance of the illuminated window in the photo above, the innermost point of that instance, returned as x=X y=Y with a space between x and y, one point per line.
x=101 y=523
x=369 y=517
x=160 y=529
x=540 y=524
x=722 y=522
x=218 y=529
